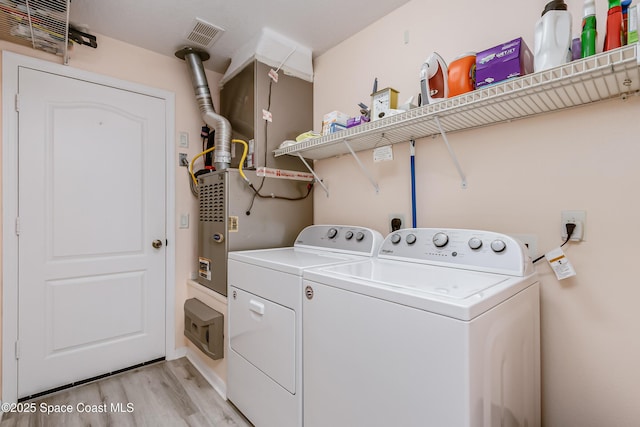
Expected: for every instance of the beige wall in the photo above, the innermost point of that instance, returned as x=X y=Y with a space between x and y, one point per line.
x=521 y=175
x=127 y=62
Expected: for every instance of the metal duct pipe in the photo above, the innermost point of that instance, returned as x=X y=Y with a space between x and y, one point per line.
x=222 y=153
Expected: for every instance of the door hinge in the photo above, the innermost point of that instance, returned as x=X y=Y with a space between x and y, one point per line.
x=17 y=102
x=17 y=226
x=17 y=350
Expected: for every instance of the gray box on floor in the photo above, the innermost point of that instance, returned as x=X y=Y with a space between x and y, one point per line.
x=204 y=326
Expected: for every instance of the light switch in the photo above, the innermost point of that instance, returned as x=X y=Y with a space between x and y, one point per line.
x=184 y=139
x=184 y=220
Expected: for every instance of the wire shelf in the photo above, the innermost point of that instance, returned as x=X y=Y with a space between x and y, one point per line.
x=604 y=76
x=41 y=24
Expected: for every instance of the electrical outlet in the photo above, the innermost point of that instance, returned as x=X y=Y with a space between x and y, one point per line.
x=183 y=160
x=396 y=222
x=573 y=217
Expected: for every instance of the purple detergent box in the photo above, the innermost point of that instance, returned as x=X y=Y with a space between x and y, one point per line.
x=511 y=59
x=356 y=121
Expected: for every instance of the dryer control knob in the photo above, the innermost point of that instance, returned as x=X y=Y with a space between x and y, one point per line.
x=411 y=239
x=359 y=236
x=395 y=239
x=440 y=240
x=475 y=243
x=332 y=233
x=498 y=246
x=348 y=235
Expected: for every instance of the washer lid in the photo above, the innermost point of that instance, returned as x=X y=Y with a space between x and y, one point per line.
x=291 y=260
x=450 y=282
x=453 y=292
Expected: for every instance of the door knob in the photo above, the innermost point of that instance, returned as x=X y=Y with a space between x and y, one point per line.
x=157 y=244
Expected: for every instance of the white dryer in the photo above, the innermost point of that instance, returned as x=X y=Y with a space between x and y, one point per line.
x=441 y=329
x=265 y=292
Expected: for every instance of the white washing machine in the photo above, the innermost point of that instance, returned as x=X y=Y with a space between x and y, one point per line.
x=441 y=329
x=265 y=292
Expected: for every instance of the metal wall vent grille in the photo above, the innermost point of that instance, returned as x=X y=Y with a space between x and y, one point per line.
x=204 y=34
x=212 y=202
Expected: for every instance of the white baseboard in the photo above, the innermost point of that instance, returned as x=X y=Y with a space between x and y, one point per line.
x=209 y=374
x=178 y=353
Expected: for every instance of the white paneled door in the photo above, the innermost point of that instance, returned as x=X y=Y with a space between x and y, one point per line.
x=91 y=204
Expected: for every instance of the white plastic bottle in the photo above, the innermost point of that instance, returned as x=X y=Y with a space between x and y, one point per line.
x=552 y=39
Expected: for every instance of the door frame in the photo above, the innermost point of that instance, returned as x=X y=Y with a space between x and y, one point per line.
x=10 y=66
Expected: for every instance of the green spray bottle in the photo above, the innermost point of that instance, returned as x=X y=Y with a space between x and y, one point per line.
x=589 y=33
x=625 y=19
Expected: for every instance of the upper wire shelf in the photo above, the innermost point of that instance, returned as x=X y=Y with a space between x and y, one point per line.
x=603 y=76
x=40 y=24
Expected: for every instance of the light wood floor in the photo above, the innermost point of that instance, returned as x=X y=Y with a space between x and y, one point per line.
x=169 y=393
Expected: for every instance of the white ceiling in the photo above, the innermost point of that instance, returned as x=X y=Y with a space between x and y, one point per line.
x=162 y=25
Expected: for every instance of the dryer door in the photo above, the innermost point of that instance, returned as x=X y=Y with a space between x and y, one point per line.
x=263 y=333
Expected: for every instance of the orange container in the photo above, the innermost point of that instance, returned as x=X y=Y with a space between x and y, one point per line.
x=462 y=74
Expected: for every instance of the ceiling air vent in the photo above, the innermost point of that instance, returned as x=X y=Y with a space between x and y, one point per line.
x=203 y=33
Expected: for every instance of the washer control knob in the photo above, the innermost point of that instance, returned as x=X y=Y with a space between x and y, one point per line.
x=359 y=236
x=475 y=243
x=332 y=233
x=411 y=239
x=440 y=240
x=349 y=235
x=498 y=246
x=395 y=239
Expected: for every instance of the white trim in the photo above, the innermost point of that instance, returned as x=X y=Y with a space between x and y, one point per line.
x=209 y=374
x=170 y=215
x=178 y=353
x=10 y=64
x=9 y=238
